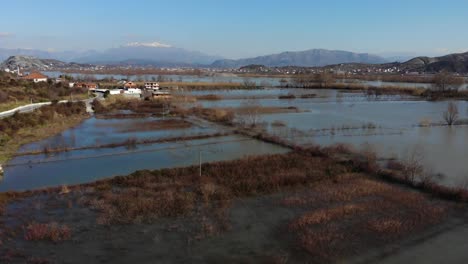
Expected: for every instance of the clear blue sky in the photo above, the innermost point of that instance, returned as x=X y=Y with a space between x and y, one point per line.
x=239 y=28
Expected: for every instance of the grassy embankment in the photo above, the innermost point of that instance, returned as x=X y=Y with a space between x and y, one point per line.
x=21 y=129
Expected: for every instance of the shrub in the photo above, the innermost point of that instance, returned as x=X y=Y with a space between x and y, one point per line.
x=51 y=232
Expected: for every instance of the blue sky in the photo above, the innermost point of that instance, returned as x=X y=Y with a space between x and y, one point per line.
x=240 y=28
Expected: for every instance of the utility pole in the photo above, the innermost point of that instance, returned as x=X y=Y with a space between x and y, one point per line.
x=199 y=161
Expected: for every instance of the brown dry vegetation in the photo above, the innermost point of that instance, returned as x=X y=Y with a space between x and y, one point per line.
x=14 y=90
x=337 y=207
x=210 y=97
x=358 y=213
x=135 y=105
x=218 y=115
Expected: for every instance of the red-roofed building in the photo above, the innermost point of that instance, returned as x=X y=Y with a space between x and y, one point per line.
x=36 y=77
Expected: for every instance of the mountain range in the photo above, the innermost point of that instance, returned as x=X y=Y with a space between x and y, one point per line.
x=308 y=58
x=163 y=55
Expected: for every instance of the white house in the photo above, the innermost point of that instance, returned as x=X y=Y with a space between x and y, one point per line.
x=132 y=91
x=115 y=91
x=152 y=86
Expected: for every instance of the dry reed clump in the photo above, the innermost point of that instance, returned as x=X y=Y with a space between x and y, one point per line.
x=304 y=96
x=218 y=115
x=319 y=243
x=278 y=123
x=50 y=232
x=370 y=213
x=135 y=206
x=210 y=97
x=133 y=104
x=287 y=96
x=146 y=195
x=326 y=215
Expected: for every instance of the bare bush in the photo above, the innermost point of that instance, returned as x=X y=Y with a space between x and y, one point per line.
x=250 y=115
x=446 y=82
x=413 y=163
x=451 y=115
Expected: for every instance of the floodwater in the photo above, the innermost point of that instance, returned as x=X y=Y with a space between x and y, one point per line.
x=80 y=166
x=390 y=125
x=226 y=78
x=232 y=78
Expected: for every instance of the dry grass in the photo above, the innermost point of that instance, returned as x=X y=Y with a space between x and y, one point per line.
x=209 y=97
x=357 y=213
x=265 y=110
x=49 y=232
x=218 y=115
x=337 y=207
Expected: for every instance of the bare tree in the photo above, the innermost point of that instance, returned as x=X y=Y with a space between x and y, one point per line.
x=451 y=115
x=413 y=163
x=249 y=114
x=249 y=83
x=445 y=81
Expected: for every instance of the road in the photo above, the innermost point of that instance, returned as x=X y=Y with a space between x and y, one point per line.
x=32 y=107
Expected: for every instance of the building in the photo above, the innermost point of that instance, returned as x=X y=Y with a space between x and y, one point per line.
x=85 y=85
x=152 y=86
x=36 y=77
x=132 y=91
x=130 y=85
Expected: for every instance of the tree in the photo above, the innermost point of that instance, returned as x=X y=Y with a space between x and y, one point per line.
x=445 y=81
x=413 y=163
x=250 y=112
x=451 y=115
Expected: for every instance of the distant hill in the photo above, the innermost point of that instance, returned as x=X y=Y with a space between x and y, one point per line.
x=457 y=62
x=67 y=56
x=33 y=63
x=308 y=58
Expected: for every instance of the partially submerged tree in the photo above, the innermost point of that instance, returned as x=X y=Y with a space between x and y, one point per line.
x=451 y=115
x=412 y=162
x=446 y=82
x=250 y=112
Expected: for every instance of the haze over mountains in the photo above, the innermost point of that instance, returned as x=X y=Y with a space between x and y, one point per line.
x=159 y=54
x=308 y=58
x=163 y=55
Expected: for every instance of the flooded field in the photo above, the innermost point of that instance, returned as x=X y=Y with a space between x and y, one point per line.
x=395 y=126
x=390 y=125
x=232 y=78
x=85 y=165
